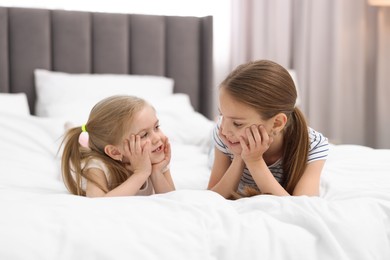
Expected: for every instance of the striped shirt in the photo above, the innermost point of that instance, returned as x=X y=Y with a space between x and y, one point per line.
x=318 y=150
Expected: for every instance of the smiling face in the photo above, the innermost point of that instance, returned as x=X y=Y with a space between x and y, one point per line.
x=146 y=124
x=236 y=117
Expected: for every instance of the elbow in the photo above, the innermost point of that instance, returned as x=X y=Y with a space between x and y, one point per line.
x=220 y=192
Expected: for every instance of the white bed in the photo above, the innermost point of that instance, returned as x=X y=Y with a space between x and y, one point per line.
x=39 y=219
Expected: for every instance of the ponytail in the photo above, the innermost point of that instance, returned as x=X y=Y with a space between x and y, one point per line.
x=72 y=169
x=71 y=161
x=296 y=149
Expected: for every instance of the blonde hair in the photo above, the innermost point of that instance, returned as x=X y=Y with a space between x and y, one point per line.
x=269 y=89
x=107 y=123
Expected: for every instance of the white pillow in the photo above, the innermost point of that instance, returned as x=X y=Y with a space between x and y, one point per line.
x=72 y=96
x=181 y=123
x=178 y=119
x=14 y=104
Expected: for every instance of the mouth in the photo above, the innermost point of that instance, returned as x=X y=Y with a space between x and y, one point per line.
x=158 y=149
x=233 y=143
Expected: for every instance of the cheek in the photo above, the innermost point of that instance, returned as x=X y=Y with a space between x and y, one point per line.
x=241 y=132
x=161 y=135
x=143 y=141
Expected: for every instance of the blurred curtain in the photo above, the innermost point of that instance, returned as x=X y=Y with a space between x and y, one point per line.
x=340 y=52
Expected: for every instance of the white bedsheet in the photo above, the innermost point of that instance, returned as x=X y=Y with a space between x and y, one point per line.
x=40 y=220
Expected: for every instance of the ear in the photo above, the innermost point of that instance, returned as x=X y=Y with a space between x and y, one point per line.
x=280 y=120
x=113 y=152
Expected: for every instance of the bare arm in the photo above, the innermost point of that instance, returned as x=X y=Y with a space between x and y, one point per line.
x=226 y=174
x=162 y=182
x=264 y=179
x=309 y=184
x=128 y=188
x=253 y=149
x=258 y=143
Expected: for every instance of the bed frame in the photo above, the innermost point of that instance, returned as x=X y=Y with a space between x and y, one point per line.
x=90 y=42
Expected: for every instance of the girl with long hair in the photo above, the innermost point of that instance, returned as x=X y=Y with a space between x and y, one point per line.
x=120 y=151
x=263 y=143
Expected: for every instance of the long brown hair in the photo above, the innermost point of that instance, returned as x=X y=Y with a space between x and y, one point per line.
x=269 y=89
x=107 y=124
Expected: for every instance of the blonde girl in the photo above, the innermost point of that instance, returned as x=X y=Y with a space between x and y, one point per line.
x=263 y=143
x=120 y=151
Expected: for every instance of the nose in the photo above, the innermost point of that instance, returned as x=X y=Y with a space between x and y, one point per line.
x=154 y=137
x=225 y=127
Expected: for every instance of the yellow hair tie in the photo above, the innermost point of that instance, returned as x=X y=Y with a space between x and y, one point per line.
x=84 y=137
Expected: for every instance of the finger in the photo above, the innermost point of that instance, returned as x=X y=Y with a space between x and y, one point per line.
x=256 y=134
x=244 y=146
x=146 y=147
x=138 y=147
x=132 y=144
x=264 y=135
x=168 y=150
x=249 y=135
x=165 y=140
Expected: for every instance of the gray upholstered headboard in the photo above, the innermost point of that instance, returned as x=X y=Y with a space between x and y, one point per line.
x=86 y=42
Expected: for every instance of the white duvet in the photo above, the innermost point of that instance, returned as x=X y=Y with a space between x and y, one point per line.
x=40 y=220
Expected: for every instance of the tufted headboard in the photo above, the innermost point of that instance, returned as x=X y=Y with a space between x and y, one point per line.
x=90 y=42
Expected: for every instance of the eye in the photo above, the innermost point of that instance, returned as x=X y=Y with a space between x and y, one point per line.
x=157 y=127
x=144 y=135
x=237 y=124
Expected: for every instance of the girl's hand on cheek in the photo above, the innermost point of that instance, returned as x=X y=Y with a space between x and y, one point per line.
x=258 y=142
x=162 y=166
x=167 y=150
x=138 y=155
